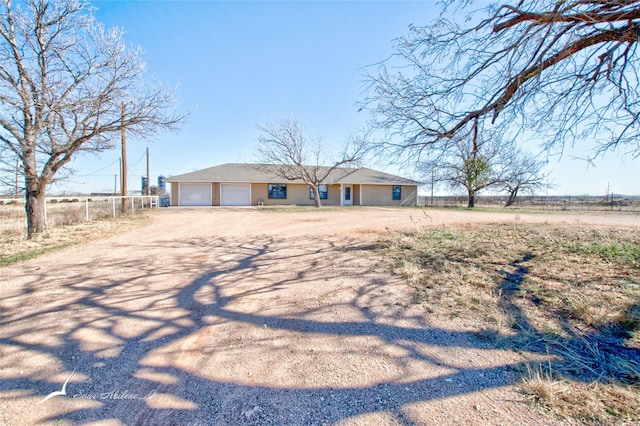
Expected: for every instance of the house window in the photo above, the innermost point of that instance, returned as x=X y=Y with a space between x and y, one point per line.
x=277 y=191
x=322 y=189
x=397 y=192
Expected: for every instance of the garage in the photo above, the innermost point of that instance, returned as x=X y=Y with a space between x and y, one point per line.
x=195 y=194
x=235 y=194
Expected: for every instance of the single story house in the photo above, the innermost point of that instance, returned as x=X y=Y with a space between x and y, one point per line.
x=234 y=184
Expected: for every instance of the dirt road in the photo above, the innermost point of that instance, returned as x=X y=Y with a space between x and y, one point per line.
x=245 y=316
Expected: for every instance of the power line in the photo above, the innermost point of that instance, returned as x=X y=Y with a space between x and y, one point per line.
x=99 y=170
x=136 y=163
x=111 y=164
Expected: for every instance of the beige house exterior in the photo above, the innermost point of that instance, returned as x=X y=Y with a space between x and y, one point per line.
x=235 y=184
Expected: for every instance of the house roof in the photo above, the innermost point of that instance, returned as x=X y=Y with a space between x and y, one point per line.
x=262 y=173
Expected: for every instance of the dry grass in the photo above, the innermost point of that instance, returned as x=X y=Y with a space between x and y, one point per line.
x=66 y=212
x=15 y=247
x=590 y=403
x=571 y=291
x=540 y=386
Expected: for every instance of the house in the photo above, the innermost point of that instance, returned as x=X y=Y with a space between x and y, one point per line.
x=234 y=184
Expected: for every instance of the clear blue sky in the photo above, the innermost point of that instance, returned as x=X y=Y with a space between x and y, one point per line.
x=239 y=64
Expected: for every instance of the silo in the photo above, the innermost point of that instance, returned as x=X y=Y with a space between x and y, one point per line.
x=162 y=185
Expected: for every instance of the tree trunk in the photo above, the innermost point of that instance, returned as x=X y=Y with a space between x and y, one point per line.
x=512 y=197
x=472 y=200
x=34 y=207
x=316 y=196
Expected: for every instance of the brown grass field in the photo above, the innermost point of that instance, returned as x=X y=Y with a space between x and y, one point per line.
x=63 y=212
x=572 y=292
x=14 y=247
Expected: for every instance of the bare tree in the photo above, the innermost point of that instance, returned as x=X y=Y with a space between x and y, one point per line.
x=474 y=162
x=564 y=71
x=525 y=174
x=63 y=82
x=291 y=154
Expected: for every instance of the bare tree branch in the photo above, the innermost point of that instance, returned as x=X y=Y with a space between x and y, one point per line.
x=564 y=70
x=286 y=149
x=475 y=162
x=63 y=81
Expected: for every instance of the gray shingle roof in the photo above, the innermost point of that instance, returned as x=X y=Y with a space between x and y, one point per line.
x=261 y=173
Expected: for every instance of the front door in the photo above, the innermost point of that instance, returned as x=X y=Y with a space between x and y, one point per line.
x=347 y=195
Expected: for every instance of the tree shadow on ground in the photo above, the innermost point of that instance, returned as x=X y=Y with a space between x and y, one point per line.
x=173 y=341
x=586 y=356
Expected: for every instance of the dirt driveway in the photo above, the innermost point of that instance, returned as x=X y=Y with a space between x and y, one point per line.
x=242 y=316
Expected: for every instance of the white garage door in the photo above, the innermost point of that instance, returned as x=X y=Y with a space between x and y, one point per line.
x=195 y=194
x=235 y=194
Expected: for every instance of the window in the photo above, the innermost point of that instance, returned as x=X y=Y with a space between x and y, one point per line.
x=397 y=192
x=277 y=191
x=322 y=189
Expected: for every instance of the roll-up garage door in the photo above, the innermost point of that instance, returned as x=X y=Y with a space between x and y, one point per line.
x=235 y=194
x=195 y=194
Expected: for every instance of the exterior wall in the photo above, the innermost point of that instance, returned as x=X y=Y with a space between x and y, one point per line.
x=333 y=196
x=382 y=195
x=297 y=194
x=174 y=193
x=258 y=191
x=356 y=195
x=409 y=195
x=215 y=194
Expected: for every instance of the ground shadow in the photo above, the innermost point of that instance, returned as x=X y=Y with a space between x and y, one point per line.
x=148 y=353
x=586 y=356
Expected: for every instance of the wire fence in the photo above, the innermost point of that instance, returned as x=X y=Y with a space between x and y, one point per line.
x=539 y=202
x=64 y=211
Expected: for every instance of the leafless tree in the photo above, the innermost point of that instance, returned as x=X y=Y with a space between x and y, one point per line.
x=68 y=85
x=288 y=151
x=565 y=71
x=524 y=174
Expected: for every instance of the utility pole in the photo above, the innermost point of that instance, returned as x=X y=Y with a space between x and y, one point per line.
x=124 y=162
x=148 y=188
